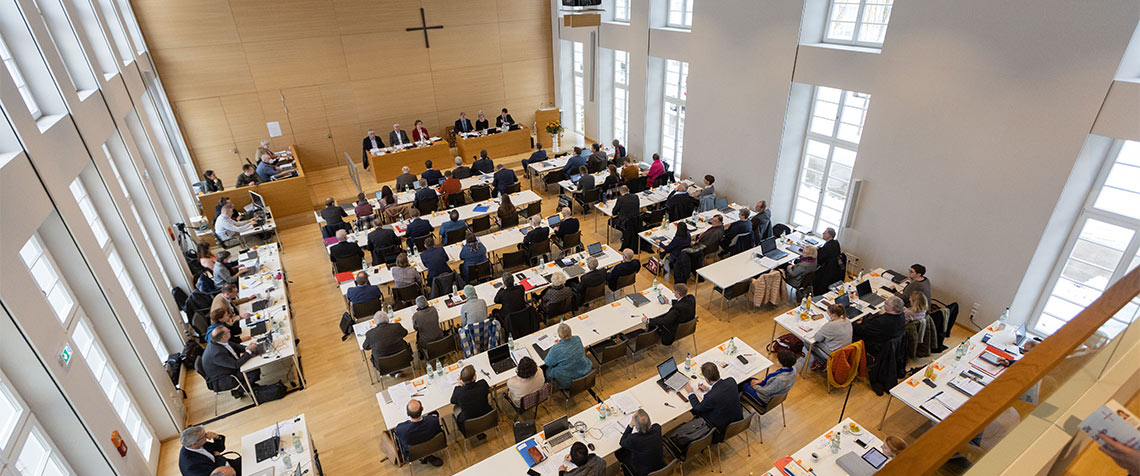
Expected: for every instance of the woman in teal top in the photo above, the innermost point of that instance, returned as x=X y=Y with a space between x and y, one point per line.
x=566 y=361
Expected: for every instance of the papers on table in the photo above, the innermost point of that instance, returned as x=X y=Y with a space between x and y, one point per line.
x=545 y=342
x=943 y=404
x=519 y=353
x=966 y=385
x=625 y=402
x=768 y=262
x=401 y=392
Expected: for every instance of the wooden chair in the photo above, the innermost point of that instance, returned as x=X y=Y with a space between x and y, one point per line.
x=568 y=243
x=609 y=352
x=734 y=429
x=694 y=449
x=479 y=425
x=581 y=385
x=393 y=363
x=760 y=411
x=428 y=448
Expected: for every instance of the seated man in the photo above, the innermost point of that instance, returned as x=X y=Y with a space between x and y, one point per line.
x=537 y=156
x=721 y=404
x=425 y=193
x=511 y=297
x=248 y=176
x=538 y=233
x=642 y=448
x=228 y=299
x=586 y=182
x=417 y=227
x=593 y=277
x=344 y=249
x=741 y=227
x=387 y=338
x=333 y=213
x=405 y=180
x=484 y=165
x=573 y=163
x=222 y=358
x=453 y=223
x=470 y=397
x=777 y=383
x=683 y=309
x=680 y=203
x=432 y=176
x=596 y=162
x=418 y=429
x=460 y=171
x=877 y=330
x=568 y=226
x=380 y=239
x=228 y=228
x=201 y=452
x=265 y=168
x=628 y=266
x=709 y=240
x=364 y=291
x=435 y=259
x=504 y=179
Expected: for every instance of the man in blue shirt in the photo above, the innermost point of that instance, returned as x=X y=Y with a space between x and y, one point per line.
x=433 y=176
x=363 y=291
x=504 y=178
x=418 y=429
x=448 y=226
x=573 y=163
x=538 y=155
x=265 y=169
x=425 y=193
x=418 y=226
x=434 y=259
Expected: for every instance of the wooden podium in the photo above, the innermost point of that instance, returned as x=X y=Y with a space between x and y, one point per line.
x=386 y=167
x=497 y=145
x=542 y=117
x=286 y=197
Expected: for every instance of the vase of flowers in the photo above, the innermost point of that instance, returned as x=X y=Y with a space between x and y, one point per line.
x=555 y=130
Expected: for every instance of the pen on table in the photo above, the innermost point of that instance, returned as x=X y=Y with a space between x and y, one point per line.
x=670 y=405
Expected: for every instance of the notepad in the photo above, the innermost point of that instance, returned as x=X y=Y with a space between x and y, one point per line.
x=481 y=208
x=625 y=402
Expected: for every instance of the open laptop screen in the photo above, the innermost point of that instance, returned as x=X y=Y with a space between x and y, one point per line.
x=667 y=367
x=555 y=427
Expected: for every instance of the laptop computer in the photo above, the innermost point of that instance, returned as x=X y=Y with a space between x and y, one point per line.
x=768 y=249
x=554 y=219
x=260 y=305
x=574 y=178
x=866 y=295
x=865 y=465
x=845 y=301
x=416 y=185
x=500 y=358
x=896 y=277
x=671 y=380
x=595 y=249
x=558 y=435
x=267 y=448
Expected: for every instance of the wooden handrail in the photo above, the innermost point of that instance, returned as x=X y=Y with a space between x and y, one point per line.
x=935 y=447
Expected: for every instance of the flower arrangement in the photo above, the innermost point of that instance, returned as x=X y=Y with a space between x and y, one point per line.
x=554 y=128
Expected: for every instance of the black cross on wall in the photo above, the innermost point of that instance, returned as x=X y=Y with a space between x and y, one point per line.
x=425 y=28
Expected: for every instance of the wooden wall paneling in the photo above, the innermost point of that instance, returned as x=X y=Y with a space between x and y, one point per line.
x=246 y=121
x=271 y=20
x=393 y=97
x=513 y=10
x=338 y=104
x=167 y=24
x=522 y=109
x=317 y=148
x=366 y=16
x=221 y=159
x=206 y=120
x=528 y=78
x=273 y=110
x=464 y=46
x=204 y=71
x=451 y=13
x=472 y=85
x=384 y=54
x=525 y=39
x=306 y=109
x=288 y=63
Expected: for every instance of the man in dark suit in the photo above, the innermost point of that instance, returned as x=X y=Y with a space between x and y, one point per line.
x=538 y=155
x=460 y=171
x=332 y=213
x=573 y=163
x=463 y=124
x=597 y=160
x=387 y=338
x=344 y=249
x=536 y=234
x=761 y=222
x=201 y=452
x=503 y=180
x=223 y=358
x=369 y=143
x=397 y=136
x=629 y=265
x=511 y=297
x=406 y=180
x=568 y=226
x=879 y=329
x=643 y=450
x=470 y=397
x=418 y=429
x=433 y=176
x=417 y=227
x=627 y=217
x=830 y=270
x=425 y=193
x=680 y=204
x=684 y=309
x=504 y=118
x=484 y=165
x=721 y=404
x=593 y=277
x=380 y=239
x=364 y=291
x=586 y=181
x=434 y=258
x=740 y=227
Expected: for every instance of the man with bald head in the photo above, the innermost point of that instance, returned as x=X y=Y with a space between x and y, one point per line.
x=405 y=180
x=344 y=248
x=761 y=222
x=642 y=449
x=629 y=265
x=201 y=453
x=418 y=429
x=397 y=136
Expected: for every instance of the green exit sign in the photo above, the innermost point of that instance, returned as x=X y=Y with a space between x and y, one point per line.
x=65 y=355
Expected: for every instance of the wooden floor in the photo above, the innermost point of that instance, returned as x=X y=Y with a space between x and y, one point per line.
x=345 y=421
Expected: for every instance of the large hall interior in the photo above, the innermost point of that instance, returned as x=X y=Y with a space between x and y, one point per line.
x=489 y=237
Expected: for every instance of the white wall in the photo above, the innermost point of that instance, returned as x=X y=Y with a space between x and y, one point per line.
x=978 y=113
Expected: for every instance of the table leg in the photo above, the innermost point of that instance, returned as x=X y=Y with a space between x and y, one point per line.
x=367 y=368
x=884 y=419
x=297 y=367
x=807 y=360
x=249 y=385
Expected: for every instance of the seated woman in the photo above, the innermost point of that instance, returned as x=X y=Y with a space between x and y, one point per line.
x=556 y=293
x=365 y=219
x=527 y=380
x=506 y=210
x=795 y=273
x=472 y=253
x=775 y=384
x=221 y=316
x=389 y=208
x=834 y=335
x=566 y=361
x=404 y=274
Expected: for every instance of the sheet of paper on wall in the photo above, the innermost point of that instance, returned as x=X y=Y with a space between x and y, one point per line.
x=274 y=128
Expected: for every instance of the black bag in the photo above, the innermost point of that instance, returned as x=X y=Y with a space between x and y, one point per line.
x=173 y=366
x=180 y=296
x=564 y=201
x=688 y=432
x=269 y=393
x=786 y=342
x=346 y=323
x=191 y=351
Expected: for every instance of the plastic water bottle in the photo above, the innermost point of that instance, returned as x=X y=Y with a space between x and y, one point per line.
x=963 y=348
x=655 y=283
x=860 y=276
x=438 y=368
x=664 y=221
x=454 y=288
x=285 y=457
x=731 y=345
x=835 y=442
x=688 y=362
x=296 y=443
x=1002 y=318
x=389 y=311
x=511 y=342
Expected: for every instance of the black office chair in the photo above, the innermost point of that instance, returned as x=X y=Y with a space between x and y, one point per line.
x=588 y=198
x=456 y=200
x=351 y=263
x=456 y=236
x=406 y=296
x=568 y=243
x=513 y=261
x=552 y=178
x=365 y=310
x=479 y=273
x=480 y=193
x=514 y=188
x=508 y=221
x=428 y=206
x=480 y=224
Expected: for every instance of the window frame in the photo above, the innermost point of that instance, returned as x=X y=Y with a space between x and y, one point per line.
x=832 y=141
x=8 y=57
x=621 y=114
x=858 y=24
x=686 y=14
x=578 y=80
x=680 y=102
x=622 y=6
x=1090 y=212
x=67 y=316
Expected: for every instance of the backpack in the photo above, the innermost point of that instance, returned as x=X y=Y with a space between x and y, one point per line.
x=786 y=342
x=191 y=352
x=346 y=323
x=688 y=432
x=173 y=367
x=269 y=393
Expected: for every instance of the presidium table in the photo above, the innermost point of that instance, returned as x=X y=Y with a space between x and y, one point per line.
x=387 y=162
x=497 y=144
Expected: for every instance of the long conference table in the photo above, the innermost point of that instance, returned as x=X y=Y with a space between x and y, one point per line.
x=697 y=224
x=663 y=408
x=268 y=282
x=388 y=162
x=592 y=327
x=409 y=196
x=497 y=144
x=825 y=461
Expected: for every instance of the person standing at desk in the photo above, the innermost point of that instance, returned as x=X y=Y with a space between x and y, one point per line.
x=619 y=151
x=397 y=137
x=627 y=217
x=419 y=133
x=504 y=119
x=463 y=124
x=248 y=176
x=481 y=123
x=369 y=143
x=484 y=165
x=265 y=169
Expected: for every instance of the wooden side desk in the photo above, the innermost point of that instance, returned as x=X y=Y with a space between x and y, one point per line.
x=497 y=145
x=286 y=197
x=387 y=167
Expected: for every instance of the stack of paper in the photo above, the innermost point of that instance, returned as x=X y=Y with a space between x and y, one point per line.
x=625 y=402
